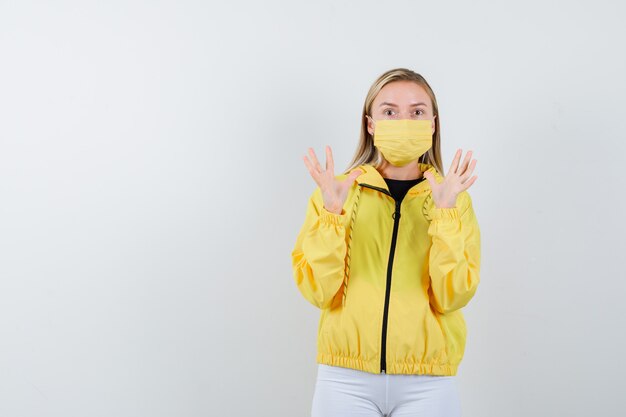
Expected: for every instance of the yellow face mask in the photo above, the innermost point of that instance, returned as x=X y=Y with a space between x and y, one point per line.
x=402 y=141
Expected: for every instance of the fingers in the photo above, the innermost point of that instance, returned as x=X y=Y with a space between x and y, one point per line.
x=455 y=162
x=321 y=176
x=469 y=170
x=315 y=168
x=314 y=173
x=466 y=160
x=354 y=175
x=469 y=183
x=462 y=168
x=330 y=163
x=316 y=163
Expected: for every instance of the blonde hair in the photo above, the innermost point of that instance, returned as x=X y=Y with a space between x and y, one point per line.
x=366 y=152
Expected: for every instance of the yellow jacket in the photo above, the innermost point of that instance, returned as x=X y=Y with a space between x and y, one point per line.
x=390 y=279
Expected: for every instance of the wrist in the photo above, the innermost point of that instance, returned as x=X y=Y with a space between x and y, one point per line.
x=338 y=210
x=446 y=204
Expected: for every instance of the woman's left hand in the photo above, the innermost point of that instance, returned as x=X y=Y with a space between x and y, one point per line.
x=456 y=181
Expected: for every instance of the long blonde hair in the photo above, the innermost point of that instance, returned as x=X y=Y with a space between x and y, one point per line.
x=366 y=152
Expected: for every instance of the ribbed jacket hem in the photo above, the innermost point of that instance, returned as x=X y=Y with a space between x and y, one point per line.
x=373 y=366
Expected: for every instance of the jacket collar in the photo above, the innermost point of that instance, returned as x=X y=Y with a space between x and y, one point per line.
x=371 y=177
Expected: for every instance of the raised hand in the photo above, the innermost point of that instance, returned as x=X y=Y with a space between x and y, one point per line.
x=334 y=192
x=456 y=181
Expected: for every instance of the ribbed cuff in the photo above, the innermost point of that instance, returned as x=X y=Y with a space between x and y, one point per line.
x=329 y=217
x=447 y=213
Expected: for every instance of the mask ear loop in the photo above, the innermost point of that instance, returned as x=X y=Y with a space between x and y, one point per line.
x=348 y=253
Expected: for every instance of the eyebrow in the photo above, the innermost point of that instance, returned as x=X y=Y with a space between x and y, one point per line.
x=394 y=105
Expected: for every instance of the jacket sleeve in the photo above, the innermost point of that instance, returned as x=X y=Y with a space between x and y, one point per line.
x=318 y=258
x=454 y=258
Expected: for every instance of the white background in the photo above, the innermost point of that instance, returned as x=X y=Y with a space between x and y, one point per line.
x=152 y=187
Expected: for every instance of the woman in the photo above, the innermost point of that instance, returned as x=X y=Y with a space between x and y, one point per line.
x=390 y=253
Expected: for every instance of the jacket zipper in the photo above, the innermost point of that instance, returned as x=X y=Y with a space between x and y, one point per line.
x=396 y=223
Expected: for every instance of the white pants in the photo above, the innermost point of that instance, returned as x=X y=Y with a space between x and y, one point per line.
x=345 y=392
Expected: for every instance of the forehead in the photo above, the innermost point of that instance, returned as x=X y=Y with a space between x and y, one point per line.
x=402 y=93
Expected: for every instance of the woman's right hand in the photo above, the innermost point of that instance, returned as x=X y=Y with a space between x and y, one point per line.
x=334 y=192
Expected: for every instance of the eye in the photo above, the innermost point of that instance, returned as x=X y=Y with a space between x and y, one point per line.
x=418 y=111
x=385 y=112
